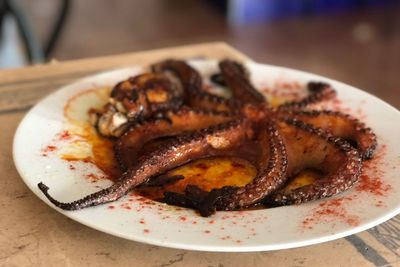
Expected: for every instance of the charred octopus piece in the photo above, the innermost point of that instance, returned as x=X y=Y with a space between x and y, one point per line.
x=271 y=167
x=170 y=107
x=341 y=125
x=288 y=147
x=137 y=99
x=192 y=84
x=213 y=141
x=129 y=145
x=237 y=79
x=310 y=147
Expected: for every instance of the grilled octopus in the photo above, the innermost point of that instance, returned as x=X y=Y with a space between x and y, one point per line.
x=169 y=105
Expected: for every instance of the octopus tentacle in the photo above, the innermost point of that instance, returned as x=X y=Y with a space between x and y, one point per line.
x=271 y=172
x=189 y=77
x=271 y=166
x=341 y=125
x=316 y=148
x=318 y=92
x=192 y=84
x=216 y=140
x=173 y=123
x=236 y=78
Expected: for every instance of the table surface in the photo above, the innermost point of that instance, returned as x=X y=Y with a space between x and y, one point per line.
x=33 y=234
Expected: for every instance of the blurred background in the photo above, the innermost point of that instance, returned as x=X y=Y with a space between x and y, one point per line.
x=356 y=41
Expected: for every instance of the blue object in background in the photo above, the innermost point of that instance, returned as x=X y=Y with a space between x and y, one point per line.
x=325 y=6
x=248 y=11
x=242 y=11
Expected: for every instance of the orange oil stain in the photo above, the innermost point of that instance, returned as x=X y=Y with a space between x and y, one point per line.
x=207 y=174
x=87 y=145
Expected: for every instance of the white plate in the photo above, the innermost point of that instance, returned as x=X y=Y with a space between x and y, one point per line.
x=257 y=230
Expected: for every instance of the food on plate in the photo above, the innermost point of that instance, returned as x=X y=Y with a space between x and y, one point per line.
x=164 y=119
